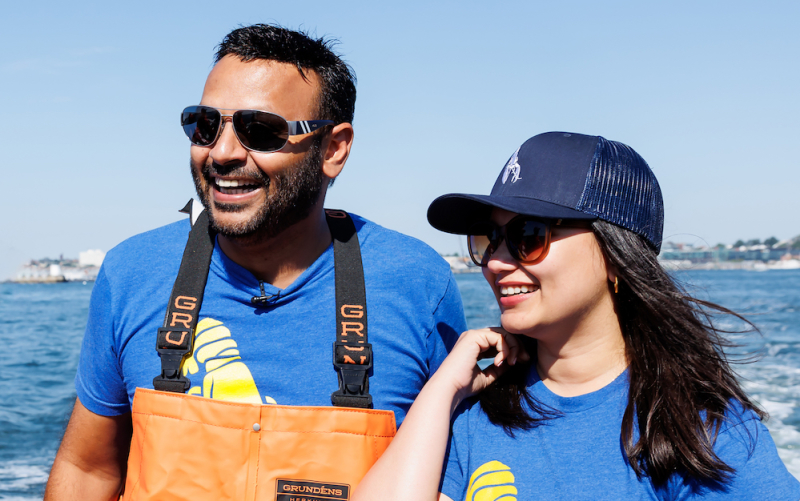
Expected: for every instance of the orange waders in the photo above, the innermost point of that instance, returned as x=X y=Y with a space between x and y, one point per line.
x=193 y=448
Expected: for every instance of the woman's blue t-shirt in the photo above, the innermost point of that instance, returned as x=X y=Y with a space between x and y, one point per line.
x=579 y=456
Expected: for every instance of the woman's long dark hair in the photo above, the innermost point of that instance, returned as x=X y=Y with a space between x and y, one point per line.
x=680 y=381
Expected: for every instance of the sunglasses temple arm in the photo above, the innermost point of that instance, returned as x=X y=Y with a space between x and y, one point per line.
x=305 y=126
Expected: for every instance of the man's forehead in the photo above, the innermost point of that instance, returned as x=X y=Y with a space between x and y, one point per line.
x=261 y=84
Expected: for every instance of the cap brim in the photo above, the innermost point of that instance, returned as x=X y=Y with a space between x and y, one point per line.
x=457 y=212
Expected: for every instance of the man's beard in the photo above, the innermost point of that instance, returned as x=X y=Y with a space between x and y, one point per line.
x=297 y=190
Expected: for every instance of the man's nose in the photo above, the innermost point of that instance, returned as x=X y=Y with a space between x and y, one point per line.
x=228 y=149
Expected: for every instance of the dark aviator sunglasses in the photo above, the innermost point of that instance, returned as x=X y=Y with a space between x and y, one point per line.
x=259 y=131
x=527 y=238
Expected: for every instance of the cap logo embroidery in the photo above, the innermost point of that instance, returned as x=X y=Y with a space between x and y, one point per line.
x=512 y=168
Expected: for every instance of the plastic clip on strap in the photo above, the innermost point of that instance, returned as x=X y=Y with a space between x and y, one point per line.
x=352 y=353
x=173 y=345
x=176 y=339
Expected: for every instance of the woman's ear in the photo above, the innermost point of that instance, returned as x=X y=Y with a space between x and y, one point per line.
x=613 y=275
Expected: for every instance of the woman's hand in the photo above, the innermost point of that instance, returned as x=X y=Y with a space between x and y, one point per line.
x=460 y=368
x=412 y=465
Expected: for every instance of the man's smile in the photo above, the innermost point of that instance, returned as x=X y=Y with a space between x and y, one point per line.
x=235 y=186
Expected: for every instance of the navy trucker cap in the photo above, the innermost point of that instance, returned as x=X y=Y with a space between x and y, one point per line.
x=561 y=175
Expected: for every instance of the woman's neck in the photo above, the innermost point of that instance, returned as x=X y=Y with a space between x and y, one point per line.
x=591 y=356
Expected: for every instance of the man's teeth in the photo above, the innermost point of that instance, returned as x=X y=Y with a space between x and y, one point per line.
x=511 y=291
x=235 y=186
x=233 y=183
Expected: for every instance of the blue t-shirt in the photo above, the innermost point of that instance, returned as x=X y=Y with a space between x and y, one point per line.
x=279 y=353
x=579 y=455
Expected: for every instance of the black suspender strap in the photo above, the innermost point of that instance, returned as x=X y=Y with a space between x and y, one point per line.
x=176 y=339
x=352 y=353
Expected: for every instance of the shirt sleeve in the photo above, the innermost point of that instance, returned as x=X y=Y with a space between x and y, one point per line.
x=449 y=323
x=454 y=474
x=99 y=383
x=760 y=473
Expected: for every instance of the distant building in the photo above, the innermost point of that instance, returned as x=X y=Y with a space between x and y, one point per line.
x=461 y=264
x=92 y=257
x=83 y=269
x=782 y=255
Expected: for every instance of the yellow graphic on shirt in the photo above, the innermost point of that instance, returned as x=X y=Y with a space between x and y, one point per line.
x=493 y=481
x=227 y=377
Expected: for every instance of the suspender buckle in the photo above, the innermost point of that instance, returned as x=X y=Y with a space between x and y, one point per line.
x=172 y=345
x=353 y=364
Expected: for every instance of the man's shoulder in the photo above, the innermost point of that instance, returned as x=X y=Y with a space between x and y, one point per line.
x=397 y=248
x=149 y=250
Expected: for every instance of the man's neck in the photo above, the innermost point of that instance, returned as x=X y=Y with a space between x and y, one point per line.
x=281 y=259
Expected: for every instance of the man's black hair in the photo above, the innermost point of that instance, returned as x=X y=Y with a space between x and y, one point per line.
x=337 y=93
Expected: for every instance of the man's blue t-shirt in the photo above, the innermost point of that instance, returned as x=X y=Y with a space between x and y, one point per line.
x=278 y=353
x=579 y=456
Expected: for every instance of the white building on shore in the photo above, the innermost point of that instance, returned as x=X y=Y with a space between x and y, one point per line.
x=91 y=257
x=83 y=269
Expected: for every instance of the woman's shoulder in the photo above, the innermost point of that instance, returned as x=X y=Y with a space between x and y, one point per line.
x=740 y=431
x=467 y=411
x=744 y=443
x=471 y=424
x=742 y=435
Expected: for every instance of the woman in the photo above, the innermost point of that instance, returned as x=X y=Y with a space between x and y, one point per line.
x=623 y=390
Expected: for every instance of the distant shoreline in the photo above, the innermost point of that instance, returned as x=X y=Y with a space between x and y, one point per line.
x=674 y=265
x=460 y=265
x=52 y=280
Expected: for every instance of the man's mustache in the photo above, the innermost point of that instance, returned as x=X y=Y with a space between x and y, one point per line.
x=238 y=171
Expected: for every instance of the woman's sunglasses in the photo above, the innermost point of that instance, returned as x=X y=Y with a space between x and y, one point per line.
x=256 y=130
x=527 y=238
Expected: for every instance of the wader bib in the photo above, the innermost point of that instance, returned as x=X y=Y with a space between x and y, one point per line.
x=186 y=447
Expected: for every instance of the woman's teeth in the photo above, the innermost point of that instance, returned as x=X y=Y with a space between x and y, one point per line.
x=513 y=291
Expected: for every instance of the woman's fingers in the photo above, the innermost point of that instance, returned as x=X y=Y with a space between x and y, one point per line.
x=506 y=345
x=503 y=348
x=488 y=376
x=492 y=342
x=460 y=367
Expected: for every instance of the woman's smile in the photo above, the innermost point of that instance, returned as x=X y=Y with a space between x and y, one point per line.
x=568 y=289
x=512 y=290
x=513 y=294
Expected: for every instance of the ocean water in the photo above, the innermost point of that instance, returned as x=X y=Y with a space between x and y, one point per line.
x=41 y=327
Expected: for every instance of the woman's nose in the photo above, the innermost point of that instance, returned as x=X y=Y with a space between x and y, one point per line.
x=501 y=259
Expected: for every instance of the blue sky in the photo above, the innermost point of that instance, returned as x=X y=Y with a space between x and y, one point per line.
x=706 y=92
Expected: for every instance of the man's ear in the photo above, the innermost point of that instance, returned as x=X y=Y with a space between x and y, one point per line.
x=337 y=149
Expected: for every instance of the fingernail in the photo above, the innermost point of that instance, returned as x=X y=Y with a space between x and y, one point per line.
x=498 y=364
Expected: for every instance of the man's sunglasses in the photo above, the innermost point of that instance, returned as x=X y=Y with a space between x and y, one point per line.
x=256 y=130
x=527 y=238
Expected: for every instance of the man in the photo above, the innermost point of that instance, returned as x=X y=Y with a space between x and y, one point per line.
x=274 y=302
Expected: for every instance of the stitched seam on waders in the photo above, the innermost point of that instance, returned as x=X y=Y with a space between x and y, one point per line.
x=196 y=422
x=258 y=470
x=258 y=466
x=291 y=407
x=271 y=431
x=141 y=456
x=334 y=431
